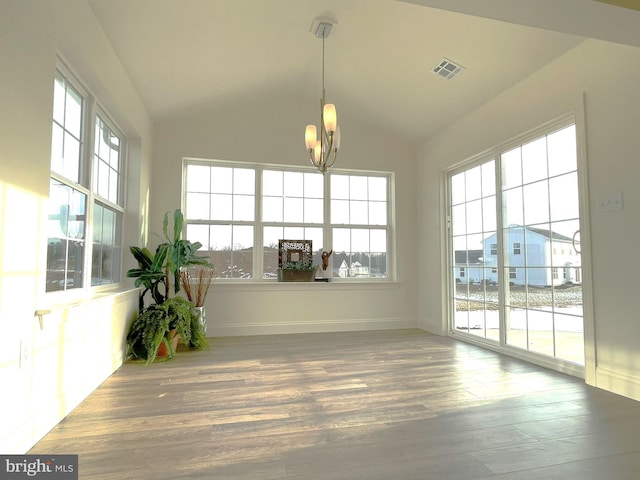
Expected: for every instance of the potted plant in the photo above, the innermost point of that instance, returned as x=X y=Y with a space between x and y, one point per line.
x=167 y=318
x=297 y=271
x=162 y=325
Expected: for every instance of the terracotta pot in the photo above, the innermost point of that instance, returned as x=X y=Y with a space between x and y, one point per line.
x=162 y=348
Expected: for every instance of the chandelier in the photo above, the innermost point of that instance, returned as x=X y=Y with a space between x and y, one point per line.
x=323 y=151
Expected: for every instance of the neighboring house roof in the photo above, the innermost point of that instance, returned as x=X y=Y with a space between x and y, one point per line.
x=548 y=234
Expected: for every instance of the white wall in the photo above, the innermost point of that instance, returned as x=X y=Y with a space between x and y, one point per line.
x=271 y=130
x=608 y=75
x=45 y=373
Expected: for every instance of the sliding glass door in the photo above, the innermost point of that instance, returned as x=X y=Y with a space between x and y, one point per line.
x=472 y=226
x=515 y=259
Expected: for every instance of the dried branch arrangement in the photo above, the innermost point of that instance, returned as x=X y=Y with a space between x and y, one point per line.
x=196 y=280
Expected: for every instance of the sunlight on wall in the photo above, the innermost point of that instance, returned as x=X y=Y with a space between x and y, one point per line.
x=50 y=370
x=144 y=221
x=19 y=260
x=20 y=212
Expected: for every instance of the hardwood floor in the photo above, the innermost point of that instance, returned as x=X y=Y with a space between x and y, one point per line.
x=385 y=405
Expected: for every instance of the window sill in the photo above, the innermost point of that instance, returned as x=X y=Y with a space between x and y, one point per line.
x=268 y=285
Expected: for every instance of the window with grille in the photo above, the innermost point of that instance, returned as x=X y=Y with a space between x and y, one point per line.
x=239 y=211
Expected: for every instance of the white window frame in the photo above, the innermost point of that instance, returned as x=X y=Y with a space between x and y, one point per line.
x=115 y=205
x=258 y=267
x=84 y=184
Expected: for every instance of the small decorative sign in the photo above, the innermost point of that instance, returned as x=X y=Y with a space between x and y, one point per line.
x=294 y=251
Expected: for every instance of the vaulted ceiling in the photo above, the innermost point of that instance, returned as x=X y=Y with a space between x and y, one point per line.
x=185 y=56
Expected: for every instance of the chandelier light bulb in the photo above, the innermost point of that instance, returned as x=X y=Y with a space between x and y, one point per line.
x=330 y=117
x=310 y=137
x=336 y=139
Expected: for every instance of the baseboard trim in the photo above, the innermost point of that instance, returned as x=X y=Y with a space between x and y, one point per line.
x=317 y=326
x=618 y=382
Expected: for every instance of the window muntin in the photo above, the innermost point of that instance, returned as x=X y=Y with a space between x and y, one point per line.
x=358 y=199
x=78 y=207
x=220 y=194
x=292 y=197
x=291 y=204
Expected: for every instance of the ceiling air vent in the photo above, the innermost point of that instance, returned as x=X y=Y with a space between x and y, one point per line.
x=448 y=69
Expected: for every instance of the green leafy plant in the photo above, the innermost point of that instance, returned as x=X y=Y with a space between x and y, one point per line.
x=157 y=271
x=158 y=322
x=297 y=271
x=299 y=265
x=177 y=253
x=150 y=274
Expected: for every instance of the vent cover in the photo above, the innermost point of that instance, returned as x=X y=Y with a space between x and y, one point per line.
x=448 y=69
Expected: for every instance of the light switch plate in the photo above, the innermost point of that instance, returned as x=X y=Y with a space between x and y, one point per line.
x=608 y=202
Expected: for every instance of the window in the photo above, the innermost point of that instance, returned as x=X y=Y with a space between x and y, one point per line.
x=232 y=207
x=359 y=223
x=84 y=196
x=107 y=206
x=516 y=248
x=461 y=272
x=292 y=208
x=513 y=272
x=494 y=249
x=220 y=213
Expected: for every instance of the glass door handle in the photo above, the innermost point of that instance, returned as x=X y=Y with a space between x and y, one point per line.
x=573 y=241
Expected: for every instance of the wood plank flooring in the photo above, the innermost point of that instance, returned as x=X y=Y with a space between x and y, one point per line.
x=384 y=405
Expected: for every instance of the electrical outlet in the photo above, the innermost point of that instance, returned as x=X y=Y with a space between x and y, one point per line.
x=24 y=353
